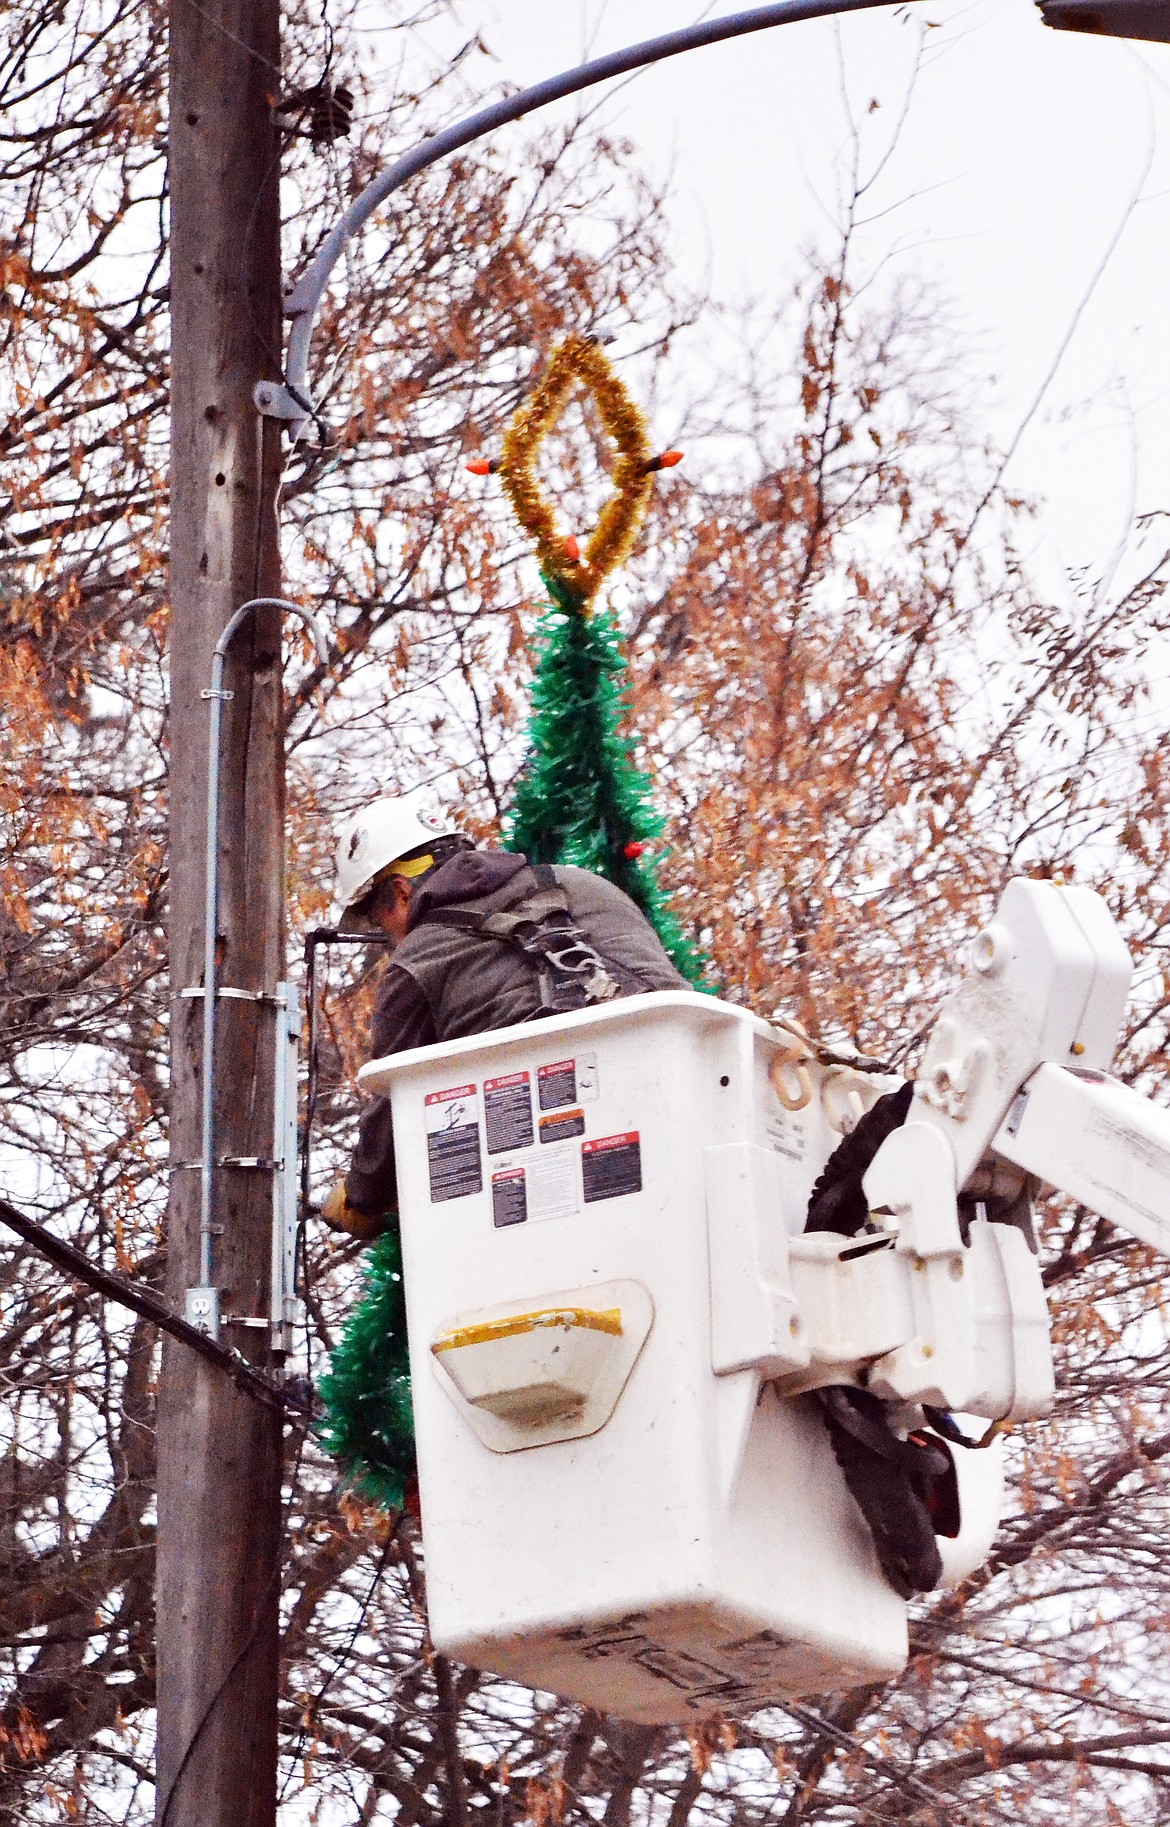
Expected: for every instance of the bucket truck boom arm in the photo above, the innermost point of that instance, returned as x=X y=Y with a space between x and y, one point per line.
x=1096 y=1140
x=1015 y=1076
x=1018 y=1063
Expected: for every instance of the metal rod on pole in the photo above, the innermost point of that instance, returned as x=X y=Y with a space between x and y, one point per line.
x=293 y=402
x=216 y=695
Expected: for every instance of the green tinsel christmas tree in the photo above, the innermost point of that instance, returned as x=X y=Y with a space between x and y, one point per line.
x=581 y=798
x=369 y=1424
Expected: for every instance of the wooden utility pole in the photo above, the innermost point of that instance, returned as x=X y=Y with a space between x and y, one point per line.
x=218 y=1580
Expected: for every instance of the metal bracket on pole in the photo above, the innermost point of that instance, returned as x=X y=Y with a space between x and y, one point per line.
x=195 y=993
x=277 y=400
x=203 y=1303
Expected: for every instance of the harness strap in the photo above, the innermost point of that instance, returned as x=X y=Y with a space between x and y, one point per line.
x=572 y=974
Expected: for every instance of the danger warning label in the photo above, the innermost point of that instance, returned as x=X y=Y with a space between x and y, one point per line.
x=509 y=1197
x=567 y=1081
x=507 y=1109
x=453 y=1164
x=611 y=1166
x=557 y=1084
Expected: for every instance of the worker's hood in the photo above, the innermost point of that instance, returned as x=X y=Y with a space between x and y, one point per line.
x=466 y=876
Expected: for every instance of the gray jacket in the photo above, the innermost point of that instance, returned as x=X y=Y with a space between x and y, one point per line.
x=444 y=982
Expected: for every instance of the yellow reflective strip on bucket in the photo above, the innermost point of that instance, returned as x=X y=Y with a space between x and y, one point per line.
x=593 y=1319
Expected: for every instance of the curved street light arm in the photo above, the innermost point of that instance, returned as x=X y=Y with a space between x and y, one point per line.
x=293 y=401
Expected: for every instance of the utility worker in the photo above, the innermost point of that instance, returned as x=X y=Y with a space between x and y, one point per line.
x=481 y=939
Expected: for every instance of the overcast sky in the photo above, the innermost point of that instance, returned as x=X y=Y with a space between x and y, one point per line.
x=1026 y=155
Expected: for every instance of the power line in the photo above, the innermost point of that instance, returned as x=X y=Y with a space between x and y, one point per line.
x=149 y=1306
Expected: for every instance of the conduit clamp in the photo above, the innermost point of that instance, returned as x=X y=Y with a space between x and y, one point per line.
x=227 y=990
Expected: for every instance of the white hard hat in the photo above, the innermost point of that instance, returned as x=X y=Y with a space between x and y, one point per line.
x=377 y=836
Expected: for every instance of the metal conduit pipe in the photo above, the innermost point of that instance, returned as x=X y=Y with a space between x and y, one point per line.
x=293 y=401
x=216 y=695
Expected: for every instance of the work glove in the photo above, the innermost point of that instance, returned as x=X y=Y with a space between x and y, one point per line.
x=340 y=1215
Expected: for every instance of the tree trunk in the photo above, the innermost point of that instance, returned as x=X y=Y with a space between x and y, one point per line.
x=219 y=1451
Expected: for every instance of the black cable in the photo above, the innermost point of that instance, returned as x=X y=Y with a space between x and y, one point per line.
x=150 y=1306
x=316 y=936
x=359 y=1621
x=320 y=936
x=310 y=1711
x=327 y=27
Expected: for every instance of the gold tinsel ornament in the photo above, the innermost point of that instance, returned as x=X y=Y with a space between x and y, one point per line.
x=580 y=364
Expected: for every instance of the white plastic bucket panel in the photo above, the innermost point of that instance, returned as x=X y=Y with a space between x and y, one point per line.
x=699 y=1549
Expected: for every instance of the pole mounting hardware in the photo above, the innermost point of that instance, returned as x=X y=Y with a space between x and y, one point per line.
x=195 y=994
x=277 y=400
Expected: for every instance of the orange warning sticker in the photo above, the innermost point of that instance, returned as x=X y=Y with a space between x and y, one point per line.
x=562 y=1125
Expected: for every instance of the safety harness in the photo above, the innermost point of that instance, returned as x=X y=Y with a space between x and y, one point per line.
x=571 y=973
